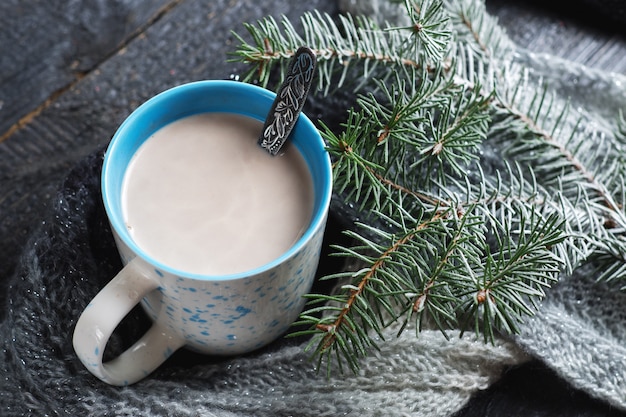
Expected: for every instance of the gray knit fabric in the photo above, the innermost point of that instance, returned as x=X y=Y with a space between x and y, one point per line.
x=579 y=330
x=73 y=255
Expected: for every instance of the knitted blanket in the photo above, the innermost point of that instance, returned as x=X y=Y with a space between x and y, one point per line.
x=579 y=331
x=73 y=255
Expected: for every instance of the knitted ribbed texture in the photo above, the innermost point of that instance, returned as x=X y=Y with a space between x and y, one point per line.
x=580 y=332
x=580 y=329
x=73 y=255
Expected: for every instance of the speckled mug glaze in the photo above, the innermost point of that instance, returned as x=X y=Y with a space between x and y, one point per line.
x=219 y=315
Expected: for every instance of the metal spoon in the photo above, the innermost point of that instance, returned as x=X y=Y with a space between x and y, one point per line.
x=289 y=101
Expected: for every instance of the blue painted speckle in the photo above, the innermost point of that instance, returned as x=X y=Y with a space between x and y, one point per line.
x=274 y=323
x=167 y=353
x=196 y=318
x=242 y=310
x=159 y=273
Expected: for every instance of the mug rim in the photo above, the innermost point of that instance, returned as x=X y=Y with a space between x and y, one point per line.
x=120 y=140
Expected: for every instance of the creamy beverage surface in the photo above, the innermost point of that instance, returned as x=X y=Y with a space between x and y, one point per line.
x=201 y=196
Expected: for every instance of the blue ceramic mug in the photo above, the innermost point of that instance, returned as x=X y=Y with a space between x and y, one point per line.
x=220 y=315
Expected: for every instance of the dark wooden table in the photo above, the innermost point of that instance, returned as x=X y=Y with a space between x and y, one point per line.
x=72 y=70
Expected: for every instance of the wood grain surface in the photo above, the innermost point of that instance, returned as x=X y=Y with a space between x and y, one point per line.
x=72 y=70
x=185 y=41
x=47 y=46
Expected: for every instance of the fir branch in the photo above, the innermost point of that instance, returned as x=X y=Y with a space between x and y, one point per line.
x=609 y=259
x=614 y=165
x=437 y=128
x=430 y=26
x=537 y=124
x=570 y=159
x=390 y=277
x=436 y=267
x=341 y=45
x=479 y=30
x=540 y=118
x=479 y=193
x=462 y=126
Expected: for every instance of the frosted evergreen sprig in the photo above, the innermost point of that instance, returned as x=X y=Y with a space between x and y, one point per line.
x=479 y=186
x=339 y=45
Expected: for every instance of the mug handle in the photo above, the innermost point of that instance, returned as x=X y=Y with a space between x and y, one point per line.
x=100 y=318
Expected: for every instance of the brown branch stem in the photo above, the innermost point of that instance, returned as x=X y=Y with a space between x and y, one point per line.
x=527 y=120
x=331 y=329
x=266 y=55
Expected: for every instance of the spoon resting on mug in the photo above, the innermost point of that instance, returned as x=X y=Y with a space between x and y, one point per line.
x=290 y=99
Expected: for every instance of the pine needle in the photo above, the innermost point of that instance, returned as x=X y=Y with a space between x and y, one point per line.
x=482 y=185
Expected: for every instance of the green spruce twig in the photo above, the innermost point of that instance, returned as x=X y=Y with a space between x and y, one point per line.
x=481 y=184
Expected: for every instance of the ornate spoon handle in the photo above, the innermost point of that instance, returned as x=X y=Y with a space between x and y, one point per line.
x=290 y=99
